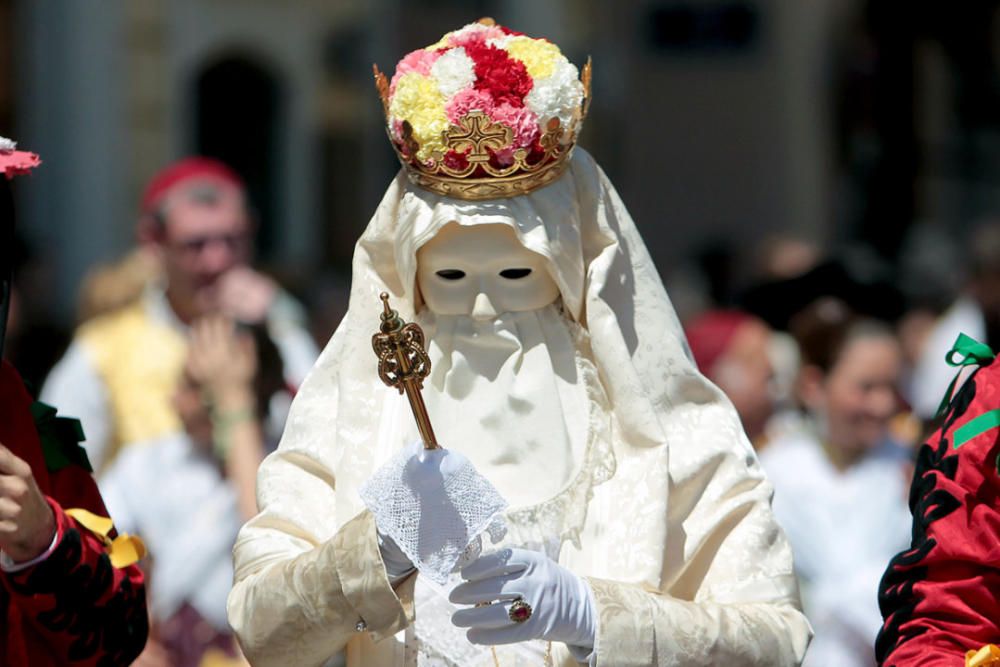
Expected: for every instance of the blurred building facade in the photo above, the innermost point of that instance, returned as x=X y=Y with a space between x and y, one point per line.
x=720 y=121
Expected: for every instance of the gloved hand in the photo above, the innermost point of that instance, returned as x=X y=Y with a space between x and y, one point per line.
x=397 y=565
x=432 y=504
x=427 y=472
x=562 y=604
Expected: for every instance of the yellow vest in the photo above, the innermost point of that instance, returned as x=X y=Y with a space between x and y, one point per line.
x=140 y=362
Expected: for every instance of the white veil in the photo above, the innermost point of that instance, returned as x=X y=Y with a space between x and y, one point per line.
x=345 y=423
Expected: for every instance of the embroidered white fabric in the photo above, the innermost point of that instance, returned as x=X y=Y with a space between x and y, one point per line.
x=538 y=397
x=435 y=505
x=664 y=501
x=438 y=643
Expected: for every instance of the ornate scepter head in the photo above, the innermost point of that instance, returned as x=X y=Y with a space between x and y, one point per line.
x=403 y=364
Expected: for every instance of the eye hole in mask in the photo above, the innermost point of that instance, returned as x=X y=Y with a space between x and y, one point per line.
x=514 y=274
x=451 y=274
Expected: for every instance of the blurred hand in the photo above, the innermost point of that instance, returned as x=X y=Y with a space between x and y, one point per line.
x=154 y=655
x=246 y=295
x=222 y=360
x=27 y=524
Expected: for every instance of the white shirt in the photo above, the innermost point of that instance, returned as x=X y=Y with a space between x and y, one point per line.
x=175 y=498
x=932 y=374
x=844 y=527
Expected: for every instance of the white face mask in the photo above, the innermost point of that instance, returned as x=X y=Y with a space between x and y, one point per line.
x=482 y=271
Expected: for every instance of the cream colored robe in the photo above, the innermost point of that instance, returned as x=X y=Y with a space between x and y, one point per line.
x=680 y=547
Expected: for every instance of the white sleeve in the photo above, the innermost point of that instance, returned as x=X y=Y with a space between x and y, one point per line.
x=932 y=374
x=115 y=493
x=8 y=565
x=75 y=389
x=286 y=324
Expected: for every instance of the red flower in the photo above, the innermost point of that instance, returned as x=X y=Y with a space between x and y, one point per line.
x=504 y=78
x=456 y=161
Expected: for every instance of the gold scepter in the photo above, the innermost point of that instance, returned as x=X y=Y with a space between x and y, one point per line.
x=403 y=364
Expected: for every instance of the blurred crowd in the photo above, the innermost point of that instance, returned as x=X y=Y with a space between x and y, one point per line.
x=181 y=369
x=185 y=359
x=835 y=361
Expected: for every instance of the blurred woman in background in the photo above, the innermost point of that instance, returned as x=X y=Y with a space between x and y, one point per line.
x=841 y=480
x=188 y=493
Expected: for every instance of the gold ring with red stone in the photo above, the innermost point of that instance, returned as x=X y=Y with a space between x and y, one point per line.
x=520 y=611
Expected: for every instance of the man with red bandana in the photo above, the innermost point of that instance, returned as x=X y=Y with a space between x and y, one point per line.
x=70 y=592
x=122 y=368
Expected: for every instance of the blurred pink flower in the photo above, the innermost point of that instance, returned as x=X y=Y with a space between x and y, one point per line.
x=418 y=61
x=476 y=34
x=468 y=100
x=521 y=120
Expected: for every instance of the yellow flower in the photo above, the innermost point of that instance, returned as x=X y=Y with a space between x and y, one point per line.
x=442 y=43
x=418 y=100
x=539 y=56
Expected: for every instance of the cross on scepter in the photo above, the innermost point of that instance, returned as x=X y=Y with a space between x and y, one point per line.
x=403 y=364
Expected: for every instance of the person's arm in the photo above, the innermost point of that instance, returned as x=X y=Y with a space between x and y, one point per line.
x=303 y=589
x=75 y=386
x=58 y=574
x=939 y=597
x=223 y=361
x=239 y=433
x=729 y=594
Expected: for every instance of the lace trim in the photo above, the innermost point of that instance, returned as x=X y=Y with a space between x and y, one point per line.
x=397 y=497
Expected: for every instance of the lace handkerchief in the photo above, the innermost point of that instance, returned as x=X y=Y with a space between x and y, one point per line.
x=435 y=505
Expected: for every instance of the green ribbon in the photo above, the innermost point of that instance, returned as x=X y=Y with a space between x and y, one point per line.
x=60 y=438
x=966 y=351
x=976 y=427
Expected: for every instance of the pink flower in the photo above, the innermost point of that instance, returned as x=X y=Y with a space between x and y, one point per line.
x=521 y=120
x=468 y=100
x=418 y=61
x=504 y=157
x=397 y=130
x=476 y=34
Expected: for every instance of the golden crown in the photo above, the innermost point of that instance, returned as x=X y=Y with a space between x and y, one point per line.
x=462 y=119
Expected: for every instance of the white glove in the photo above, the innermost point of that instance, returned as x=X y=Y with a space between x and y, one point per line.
x=562 y=604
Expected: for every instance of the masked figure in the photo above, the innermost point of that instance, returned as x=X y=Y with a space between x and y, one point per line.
x=639 y=529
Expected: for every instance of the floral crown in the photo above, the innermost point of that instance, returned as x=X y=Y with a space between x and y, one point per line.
x=485 y=112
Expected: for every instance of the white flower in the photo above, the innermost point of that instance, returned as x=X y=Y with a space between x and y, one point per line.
x=470 y=28
x=6 y=145
x=500 y=42
x=453 y=71
x=556 y=96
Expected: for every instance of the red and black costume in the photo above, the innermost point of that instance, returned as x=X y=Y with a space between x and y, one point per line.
x=941 y=598
x=72 y=608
